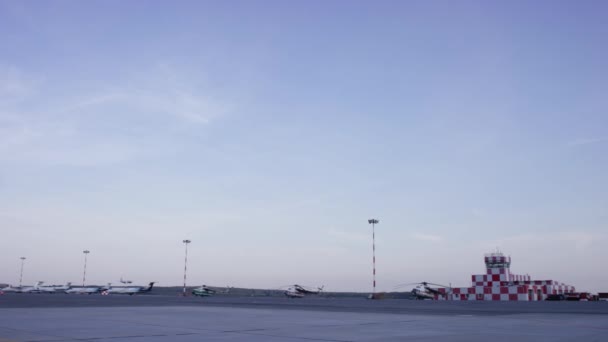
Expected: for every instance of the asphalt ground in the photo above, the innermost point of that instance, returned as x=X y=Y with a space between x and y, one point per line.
x=311 y=303
x=162 y=318
x=136 y=319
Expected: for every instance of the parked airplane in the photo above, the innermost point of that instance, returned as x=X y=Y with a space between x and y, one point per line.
x=129 y=290
x=31 y=289
x=39 y=288
x=83 y=290
x=10 y=288
x=65 y=287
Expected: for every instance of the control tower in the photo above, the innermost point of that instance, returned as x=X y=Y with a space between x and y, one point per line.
x=498 y=283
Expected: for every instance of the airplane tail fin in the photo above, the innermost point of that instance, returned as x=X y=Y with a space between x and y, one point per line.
x=150 y=286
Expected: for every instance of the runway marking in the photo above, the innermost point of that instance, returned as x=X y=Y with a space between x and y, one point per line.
x=365 y=323
x=100 y=338
x=132 y=336
x=244 y=330
x=297 y=337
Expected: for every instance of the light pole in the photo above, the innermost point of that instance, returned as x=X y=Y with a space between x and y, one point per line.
x=84 y=274
x=21 y=275
x=186 y=242
x=373 y=222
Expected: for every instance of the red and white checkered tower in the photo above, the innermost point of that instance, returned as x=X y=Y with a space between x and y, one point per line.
x=498 y=268
x=498 y=283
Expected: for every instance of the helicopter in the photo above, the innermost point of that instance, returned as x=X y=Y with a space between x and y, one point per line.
x=299 y=291
x=203 y=291
x=424 y=291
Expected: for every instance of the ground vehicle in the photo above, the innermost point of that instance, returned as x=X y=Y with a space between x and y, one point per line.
x=556 y=297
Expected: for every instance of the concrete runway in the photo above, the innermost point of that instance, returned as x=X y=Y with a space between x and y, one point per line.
x=58 y=317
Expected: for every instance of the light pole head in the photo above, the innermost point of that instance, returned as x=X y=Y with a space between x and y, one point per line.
x=372 y=221
x=86 y=252
x=186 y=241
x=22 y=258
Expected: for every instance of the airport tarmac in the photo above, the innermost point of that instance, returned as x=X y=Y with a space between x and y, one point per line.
x=58 y=317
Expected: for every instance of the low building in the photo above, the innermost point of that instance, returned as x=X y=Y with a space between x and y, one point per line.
x=498 y=283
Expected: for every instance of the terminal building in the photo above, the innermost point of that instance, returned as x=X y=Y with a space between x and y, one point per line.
x=498 y=283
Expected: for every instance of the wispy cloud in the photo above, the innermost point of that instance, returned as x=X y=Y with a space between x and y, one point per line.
x=182 y=104
x=348 y=236
x=92 y=154
x=98 y=99
x=427 y=237
x=477 y=212
x=14 y=84
x=92 y=127
x=162 y=90
x=588 y=141
x=580 y=240
x=173 y=93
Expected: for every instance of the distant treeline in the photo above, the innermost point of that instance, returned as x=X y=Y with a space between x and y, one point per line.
x=241 y=292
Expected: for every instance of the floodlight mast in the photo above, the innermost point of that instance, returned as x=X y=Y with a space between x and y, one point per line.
x=186 y=242
x=373 y=222
x=84 y=273
x=21 y=274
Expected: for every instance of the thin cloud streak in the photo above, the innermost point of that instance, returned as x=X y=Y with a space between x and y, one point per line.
x=580 y=240
x=581 y=142
x=62 y=134
x=348 y=236
x=427 y=237
x=14 y=84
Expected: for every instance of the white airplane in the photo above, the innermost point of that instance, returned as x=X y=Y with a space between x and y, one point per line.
x=31 y=289
x=83 y=290
x=105 y=288
x=39 y=288
x=10 y=288
x=129 y=290
x=65 y=287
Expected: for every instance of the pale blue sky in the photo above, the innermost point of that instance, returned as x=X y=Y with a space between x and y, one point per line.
x=269 y=132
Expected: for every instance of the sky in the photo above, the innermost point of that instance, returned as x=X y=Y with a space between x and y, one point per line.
x=269 y=132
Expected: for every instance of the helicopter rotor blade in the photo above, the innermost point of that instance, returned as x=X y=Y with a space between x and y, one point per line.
x=423 y=283
x=408 y=284
x=439 y=285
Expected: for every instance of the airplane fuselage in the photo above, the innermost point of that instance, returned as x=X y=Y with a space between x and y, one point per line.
x=128 y=290
x=11 y=289
x=422 y=293
x=294 y=294
x=83 y=290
